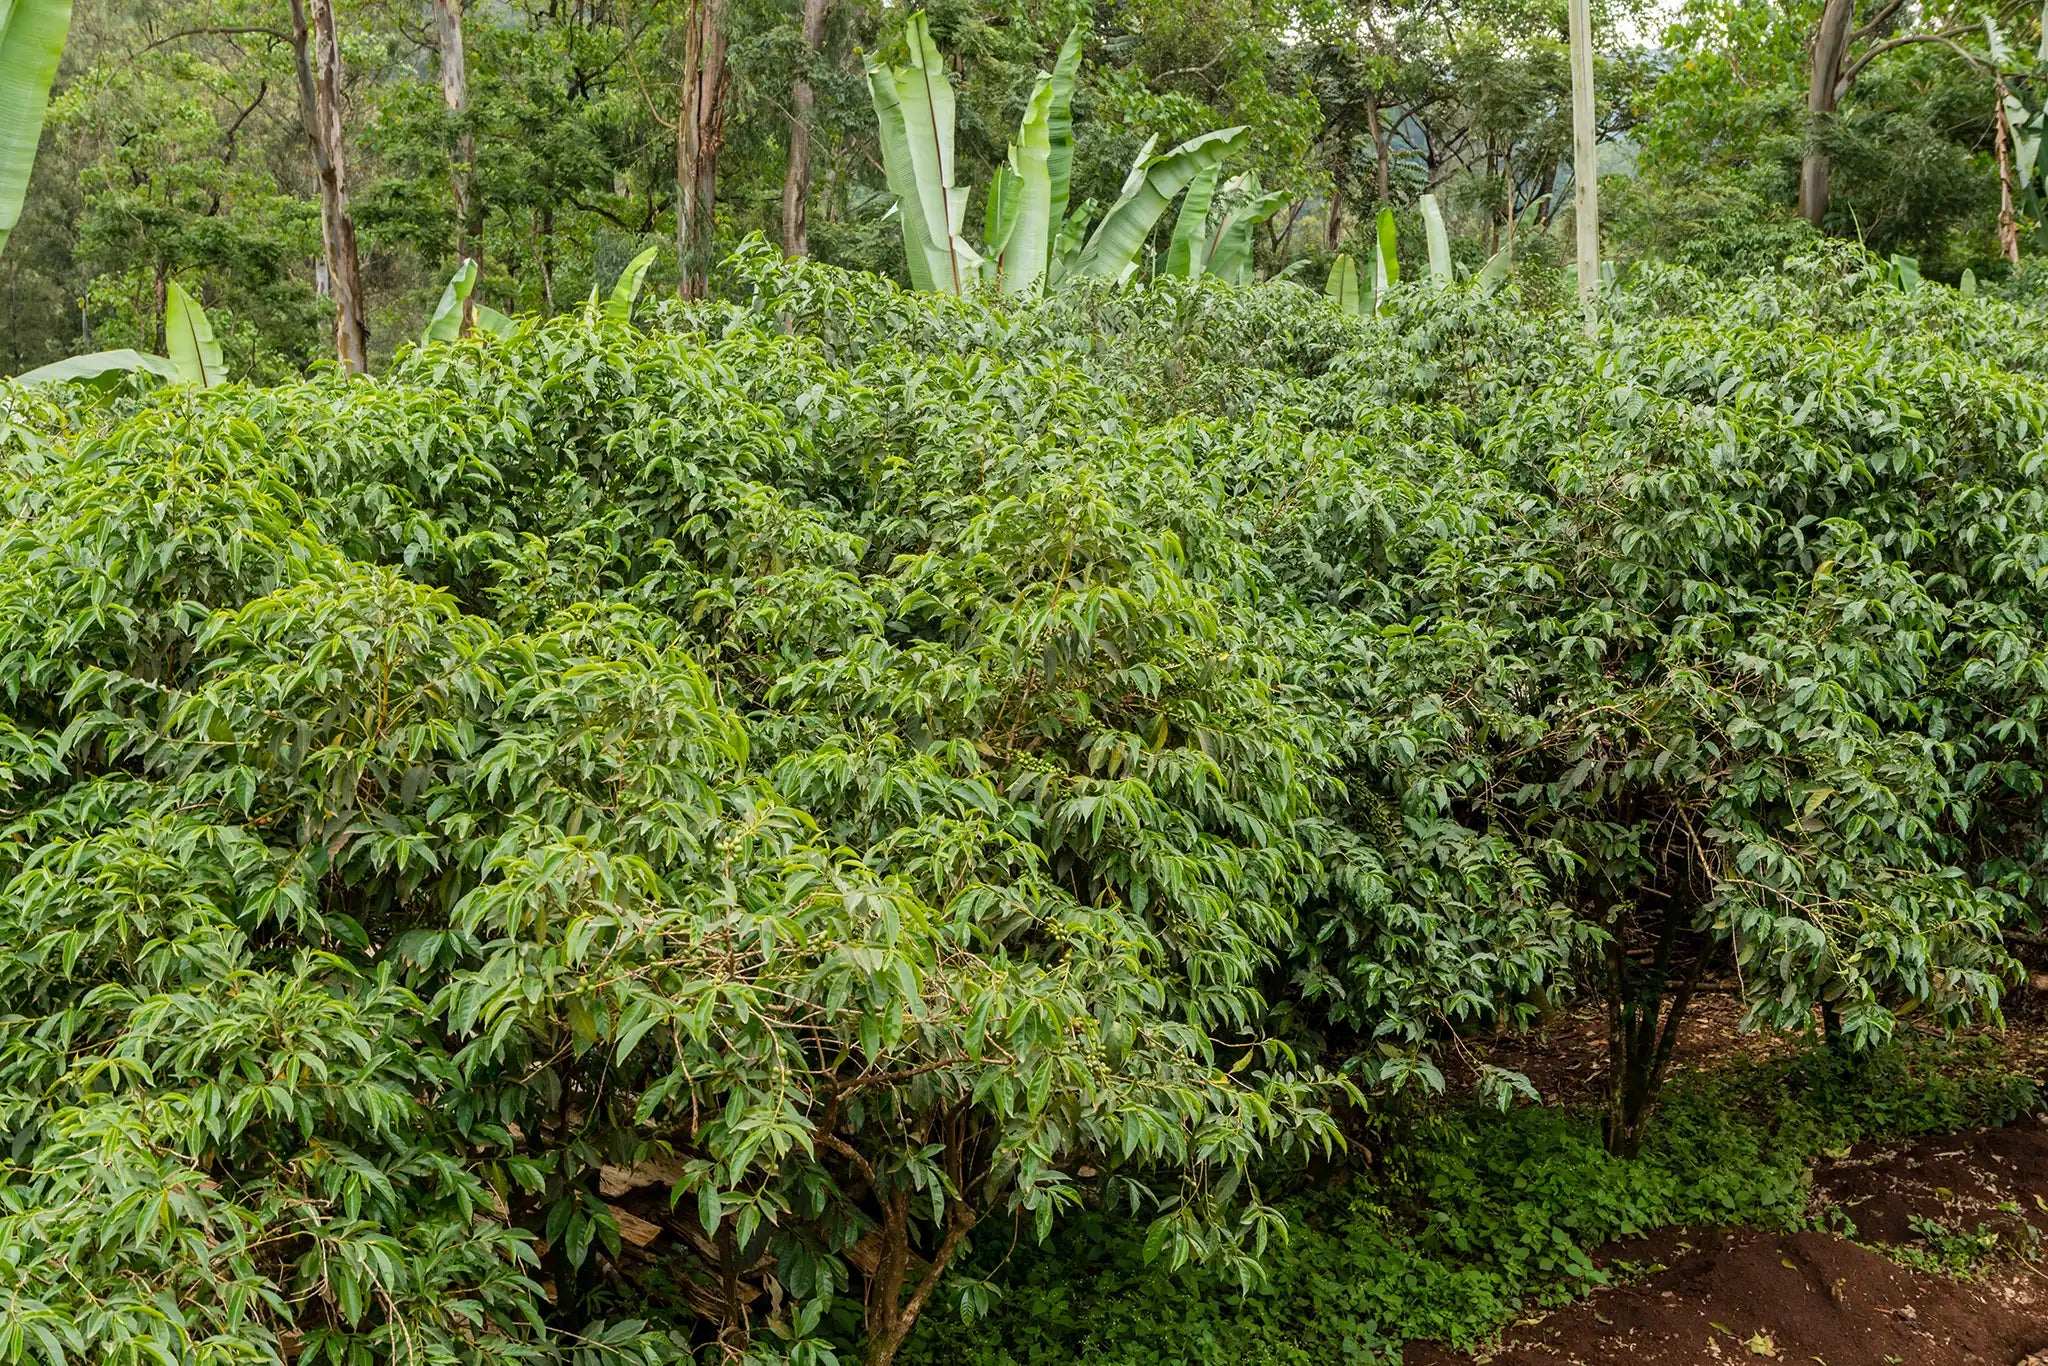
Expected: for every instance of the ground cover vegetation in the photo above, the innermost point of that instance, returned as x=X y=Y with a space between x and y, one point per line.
x=781 y=816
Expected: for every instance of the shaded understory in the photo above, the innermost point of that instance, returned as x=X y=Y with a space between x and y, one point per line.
x=1447 y=1226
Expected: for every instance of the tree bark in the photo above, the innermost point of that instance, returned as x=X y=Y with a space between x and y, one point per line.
x=319 y=70
x=1823 y=93
x=796 y=178
x=455 y=96
x=1644 y=1014
x=1382 y=148
x=700 y=133
x=1585 y=164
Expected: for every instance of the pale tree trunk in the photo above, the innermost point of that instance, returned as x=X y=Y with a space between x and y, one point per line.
x=319 y=63
x=700 y=132
x=796 y=178
x=1823 y=93
x=1585 y=163
x=455 y=96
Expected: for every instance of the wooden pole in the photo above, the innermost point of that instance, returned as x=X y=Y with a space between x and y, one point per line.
x=1585 y=162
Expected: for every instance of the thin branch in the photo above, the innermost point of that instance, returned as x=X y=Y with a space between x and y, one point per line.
x=1947 y=37
x=269 y=33
x=1877 y=22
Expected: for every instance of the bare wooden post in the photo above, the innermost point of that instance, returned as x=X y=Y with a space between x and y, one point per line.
x=1585 y=162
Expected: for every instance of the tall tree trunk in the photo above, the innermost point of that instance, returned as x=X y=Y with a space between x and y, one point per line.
x=700 y=132
x=319 y=63
x=1382 y=148
x=1333 y=220
x=455 y=95
x=1830 y=46
x=1585 y=163
x=796 y=177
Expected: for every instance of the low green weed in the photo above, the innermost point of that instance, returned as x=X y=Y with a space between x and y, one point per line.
x=1465 y=1217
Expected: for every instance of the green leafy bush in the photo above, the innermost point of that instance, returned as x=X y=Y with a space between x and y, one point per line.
x=907 y=770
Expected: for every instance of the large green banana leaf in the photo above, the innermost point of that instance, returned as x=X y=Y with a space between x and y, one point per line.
x=619 y=307
x=901 y=176
x=98 y=364
x=1496 y=271
x=1059 y=129
x=1439 y=241
x=926 y=98
x=1230 y=244
x=1189 y=254
x=1154 y=183
x=1343 y=283
x=1021 y=200
x=31 y=40
x=188 y=336
x=491 y=321
x=1386 y=264
x=446 y=323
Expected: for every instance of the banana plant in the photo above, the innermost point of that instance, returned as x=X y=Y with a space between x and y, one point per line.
x=445 y=325
x=619 y=307
x=1244 y=207
x=1439 y=241
x=1386 y=265
x=195 y=356
x=1030 y=239
x=31 y=40
x=1342 y=286
x=1153 y=183
x=914 y=113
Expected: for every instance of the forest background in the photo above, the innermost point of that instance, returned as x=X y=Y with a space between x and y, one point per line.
x=545 y=140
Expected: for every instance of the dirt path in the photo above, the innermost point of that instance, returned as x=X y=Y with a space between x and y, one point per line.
x=1715 y=1297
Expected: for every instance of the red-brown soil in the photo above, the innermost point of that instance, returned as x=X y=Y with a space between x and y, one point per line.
x=1722 y=1296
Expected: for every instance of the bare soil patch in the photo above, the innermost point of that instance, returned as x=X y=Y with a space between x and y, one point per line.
x=1719 y=1296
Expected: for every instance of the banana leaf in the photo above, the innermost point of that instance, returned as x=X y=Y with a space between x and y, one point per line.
x=1439 y=241
x=1154 y=183
x=188 y=336
x=1059 y=130
x=446 y=323
x=1067 y=245
x=31 y=40
x=1969 y=283
x=1230 y=244
x=619 y=307
x=1023 y=203
x=97 y=365
x=901 y=176
x=1189 y=254
x=1343 y=283
x=490 y=320
x=1496 y=271
x=926 y=97
x=1386 y=265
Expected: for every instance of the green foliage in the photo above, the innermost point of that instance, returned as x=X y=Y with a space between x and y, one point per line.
x=31 y=41
x=1474 y=1217
x=914 y=112
x=920 y=770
